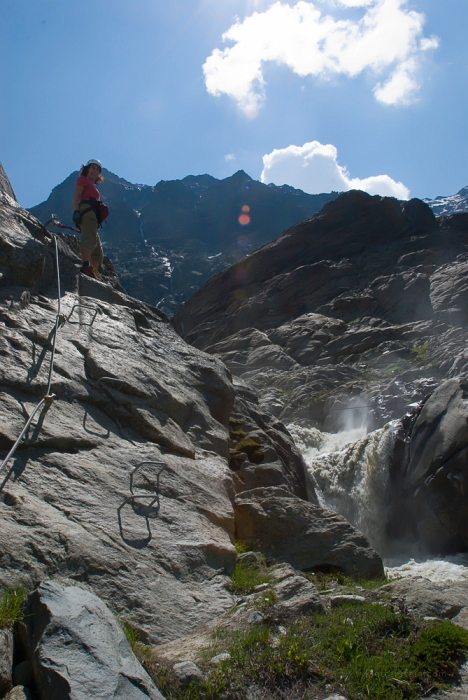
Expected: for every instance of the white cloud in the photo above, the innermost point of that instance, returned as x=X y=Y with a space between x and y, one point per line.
x=229 y=156
x=387 y=40
x=314 y=168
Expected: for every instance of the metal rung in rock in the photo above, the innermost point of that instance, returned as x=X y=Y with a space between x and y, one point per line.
x=96 y=310
x=153 y=496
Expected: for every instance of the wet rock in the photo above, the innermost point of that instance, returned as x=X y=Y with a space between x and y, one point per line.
x=433 y=473
x=78 y=649
x=6 y=659
x=303 y=534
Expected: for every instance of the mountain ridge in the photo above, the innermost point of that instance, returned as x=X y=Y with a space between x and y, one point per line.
x=163 y=237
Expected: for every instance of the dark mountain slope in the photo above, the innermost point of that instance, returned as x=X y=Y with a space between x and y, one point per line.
x=168 y=239
x=366 y=299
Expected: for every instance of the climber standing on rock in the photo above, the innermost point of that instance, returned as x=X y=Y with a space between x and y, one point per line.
x=88 y=214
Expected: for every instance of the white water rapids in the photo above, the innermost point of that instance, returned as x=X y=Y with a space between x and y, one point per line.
x=349 y=472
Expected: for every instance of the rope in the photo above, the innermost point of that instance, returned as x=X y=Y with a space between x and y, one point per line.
x=48 y=398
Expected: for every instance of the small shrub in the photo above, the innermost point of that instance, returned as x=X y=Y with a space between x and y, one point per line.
x=438 y=649
x=11 y=606
x=241 y=547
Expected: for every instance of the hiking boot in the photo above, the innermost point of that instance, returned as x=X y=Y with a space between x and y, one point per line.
x=89 y=271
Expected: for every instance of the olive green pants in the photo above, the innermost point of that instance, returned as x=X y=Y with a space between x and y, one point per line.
x=89 y=234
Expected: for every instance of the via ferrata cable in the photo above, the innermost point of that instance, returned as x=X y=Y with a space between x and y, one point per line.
x=60 y=320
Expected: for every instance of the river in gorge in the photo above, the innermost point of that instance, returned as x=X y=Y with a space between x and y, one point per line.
x=349 y=472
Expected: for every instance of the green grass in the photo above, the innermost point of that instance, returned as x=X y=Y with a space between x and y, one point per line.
x=251 y=448
x=132 y=635
x=240 y=546
x=365 y=651
x=11 y=606
x=347 y=584
x=246 y=576
x=422 y=353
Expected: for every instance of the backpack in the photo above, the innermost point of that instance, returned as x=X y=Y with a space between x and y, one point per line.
x=103 y=212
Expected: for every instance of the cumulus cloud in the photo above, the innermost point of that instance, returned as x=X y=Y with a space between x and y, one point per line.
x=386 y=40
x=314 y=168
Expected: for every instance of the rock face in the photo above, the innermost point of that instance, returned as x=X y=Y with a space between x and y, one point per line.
x=78 y=649
x=361 y=305
x=429 y=479
x=6 y=659
x=167 y=240
x=303 y=534
x=126 y=479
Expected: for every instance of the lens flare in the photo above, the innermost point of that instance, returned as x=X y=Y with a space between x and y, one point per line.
x=244 y=219
x=241 y=276
x=246 y=208
x=243 y=242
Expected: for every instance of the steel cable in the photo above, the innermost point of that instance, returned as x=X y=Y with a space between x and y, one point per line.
x=48 y=398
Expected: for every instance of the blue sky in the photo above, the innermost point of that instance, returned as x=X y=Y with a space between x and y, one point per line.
x=329 y=94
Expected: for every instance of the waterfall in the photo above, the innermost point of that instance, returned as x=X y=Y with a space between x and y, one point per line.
x=349 y=472
x=138 y=213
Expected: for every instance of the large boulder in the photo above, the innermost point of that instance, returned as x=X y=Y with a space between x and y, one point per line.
x=303 y=534
x=78 y=649
x=429 y=474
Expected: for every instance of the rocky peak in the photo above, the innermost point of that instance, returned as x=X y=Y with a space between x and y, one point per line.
x=455 y=203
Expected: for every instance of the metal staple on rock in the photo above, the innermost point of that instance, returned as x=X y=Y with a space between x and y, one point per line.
x=153 y=496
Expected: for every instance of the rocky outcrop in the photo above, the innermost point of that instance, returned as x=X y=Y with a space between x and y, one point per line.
x=348 y=321
x=127 y=390
x=78 y=650
x=302 y=534
x=428 y=486
x=169 y=239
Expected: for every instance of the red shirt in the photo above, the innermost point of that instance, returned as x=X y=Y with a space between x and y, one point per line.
x=89 y=189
